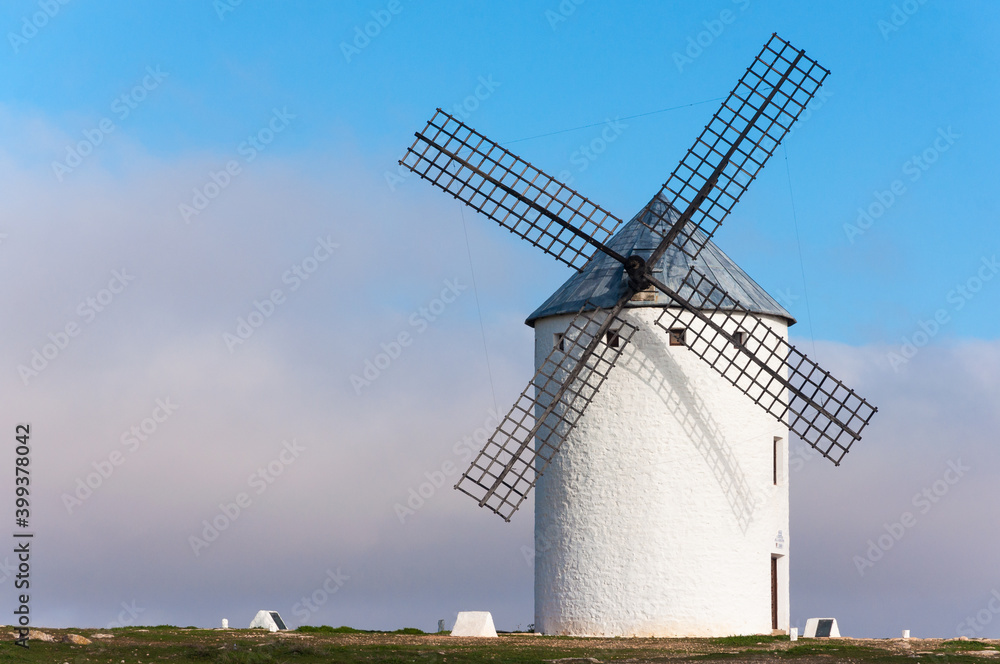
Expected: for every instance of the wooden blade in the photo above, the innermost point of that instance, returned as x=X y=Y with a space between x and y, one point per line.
x=509 y=190
x=507 y=468
x=736 y=143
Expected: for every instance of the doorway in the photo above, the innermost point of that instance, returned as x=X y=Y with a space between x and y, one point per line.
x=774 y=592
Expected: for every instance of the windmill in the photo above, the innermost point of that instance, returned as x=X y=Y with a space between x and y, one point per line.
x=629 y=537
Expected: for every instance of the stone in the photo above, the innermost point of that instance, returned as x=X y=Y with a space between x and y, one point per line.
x=77 y=639
x=474 y=623
x=35 y=635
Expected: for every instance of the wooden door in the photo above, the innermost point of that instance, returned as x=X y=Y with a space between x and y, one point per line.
x=774 y=592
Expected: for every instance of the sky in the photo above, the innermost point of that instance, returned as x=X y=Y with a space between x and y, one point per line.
x=206 y=242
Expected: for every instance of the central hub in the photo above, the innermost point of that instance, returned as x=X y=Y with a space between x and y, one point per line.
x=635 y=267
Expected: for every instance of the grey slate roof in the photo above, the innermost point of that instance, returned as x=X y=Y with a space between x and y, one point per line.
x=603 y=281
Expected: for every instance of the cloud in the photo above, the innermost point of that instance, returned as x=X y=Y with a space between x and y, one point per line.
x=122 y=487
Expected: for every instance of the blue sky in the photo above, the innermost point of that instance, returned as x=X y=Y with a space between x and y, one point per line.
x=924 y=88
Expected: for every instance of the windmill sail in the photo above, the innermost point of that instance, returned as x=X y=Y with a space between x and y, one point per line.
x=737 y=142
x=524 y=200
x=779 y=378
x=549 y=407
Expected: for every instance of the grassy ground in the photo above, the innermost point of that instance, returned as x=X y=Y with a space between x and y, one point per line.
x=239 y=646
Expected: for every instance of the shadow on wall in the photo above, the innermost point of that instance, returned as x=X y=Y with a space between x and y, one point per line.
x=696 y=419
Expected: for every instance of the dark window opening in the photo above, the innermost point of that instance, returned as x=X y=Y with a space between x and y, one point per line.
x=739 y=339
x=678 y=336
x=560 y=341
x=778 y=461
x=614 y=339
x=774 y=459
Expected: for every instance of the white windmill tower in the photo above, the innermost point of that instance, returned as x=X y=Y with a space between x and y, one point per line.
x=662 y=502
x=665 y=512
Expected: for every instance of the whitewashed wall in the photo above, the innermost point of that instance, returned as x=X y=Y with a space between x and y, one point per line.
x=659 y=516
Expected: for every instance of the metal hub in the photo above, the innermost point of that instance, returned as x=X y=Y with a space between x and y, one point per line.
x=635 y=267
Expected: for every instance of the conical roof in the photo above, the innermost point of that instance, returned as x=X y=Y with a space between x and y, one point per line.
x=603 y=280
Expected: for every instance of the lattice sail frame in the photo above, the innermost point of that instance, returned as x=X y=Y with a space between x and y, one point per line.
x=747 y=129
x=488 y=178
x=708 y=182
x=548 y=409
x=821 y=410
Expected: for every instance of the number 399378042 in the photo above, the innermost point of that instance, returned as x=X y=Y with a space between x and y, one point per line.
x=22 y=478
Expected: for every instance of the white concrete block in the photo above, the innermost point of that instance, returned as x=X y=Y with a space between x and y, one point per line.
x=793 y=634
x=474 y=623
x=269 y=620
x=906 y=633
x=821 y=628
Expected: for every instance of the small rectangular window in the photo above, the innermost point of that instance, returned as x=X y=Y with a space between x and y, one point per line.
x=777 y=464
x=614 y=339
x=739 y=338
x=678 y=336
x=559 y=341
